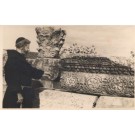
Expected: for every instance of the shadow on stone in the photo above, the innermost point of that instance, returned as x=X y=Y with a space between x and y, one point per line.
x=38 y=87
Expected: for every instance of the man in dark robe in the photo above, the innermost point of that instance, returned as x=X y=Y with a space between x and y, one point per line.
x=18 y=76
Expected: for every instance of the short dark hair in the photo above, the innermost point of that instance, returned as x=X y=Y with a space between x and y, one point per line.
x=21 y=41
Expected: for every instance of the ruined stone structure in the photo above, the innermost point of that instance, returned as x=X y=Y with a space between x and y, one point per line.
x=77 y=70
x=82 y=74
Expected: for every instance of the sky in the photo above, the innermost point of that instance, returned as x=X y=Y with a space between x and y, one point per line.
x=108 y=40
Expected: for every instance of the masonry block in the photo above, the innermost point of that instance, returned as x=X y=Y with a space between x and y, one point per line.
x=58 y=100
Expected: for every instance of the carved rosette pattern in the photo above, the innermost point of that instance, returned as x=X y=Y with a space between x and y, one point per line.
x=99 y=84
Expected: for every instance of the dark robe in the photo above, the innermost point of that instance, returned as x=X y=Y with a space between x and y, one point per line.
x=18 y=73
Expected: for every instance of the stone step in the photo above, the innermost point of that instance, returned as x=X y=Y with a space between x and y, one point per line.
x=115 y=102
x=58 y=100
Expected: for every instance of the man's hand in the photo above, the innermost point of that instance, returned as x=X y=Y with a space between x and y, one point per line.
x=20 y=98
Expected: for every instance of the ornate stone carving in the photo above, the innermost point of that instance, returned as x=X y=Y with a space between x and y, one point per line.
x=50 y=42
x=98 y=84
x=86 y=73
x=97 y=75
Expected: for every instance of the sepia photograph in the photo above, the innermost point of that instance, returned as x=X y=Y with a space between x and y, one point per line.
x=68 y=67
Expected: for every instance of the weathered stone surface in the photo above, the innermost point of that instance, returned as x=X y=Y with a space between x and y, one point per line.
x=115 y=102
x=50 y=41
x=98 y=84
x=99 y=65
x=58 y=100
x=50 y=66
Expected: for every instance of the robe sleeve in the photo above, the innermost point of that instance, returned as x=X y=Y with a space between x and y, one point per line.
x=28 y=70
x=37 y=73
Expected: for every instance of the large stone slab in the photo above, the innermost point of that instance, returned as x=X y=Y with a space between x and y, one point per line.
x=98 y=84
x=58 y=100
x=115 y=102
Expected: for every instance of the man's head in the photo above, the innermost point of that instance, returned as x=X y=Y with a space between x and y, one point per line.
x=23 y=45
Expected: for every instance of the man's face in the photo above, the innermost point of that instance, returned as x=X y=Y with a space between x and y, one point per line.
x=25 y=49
